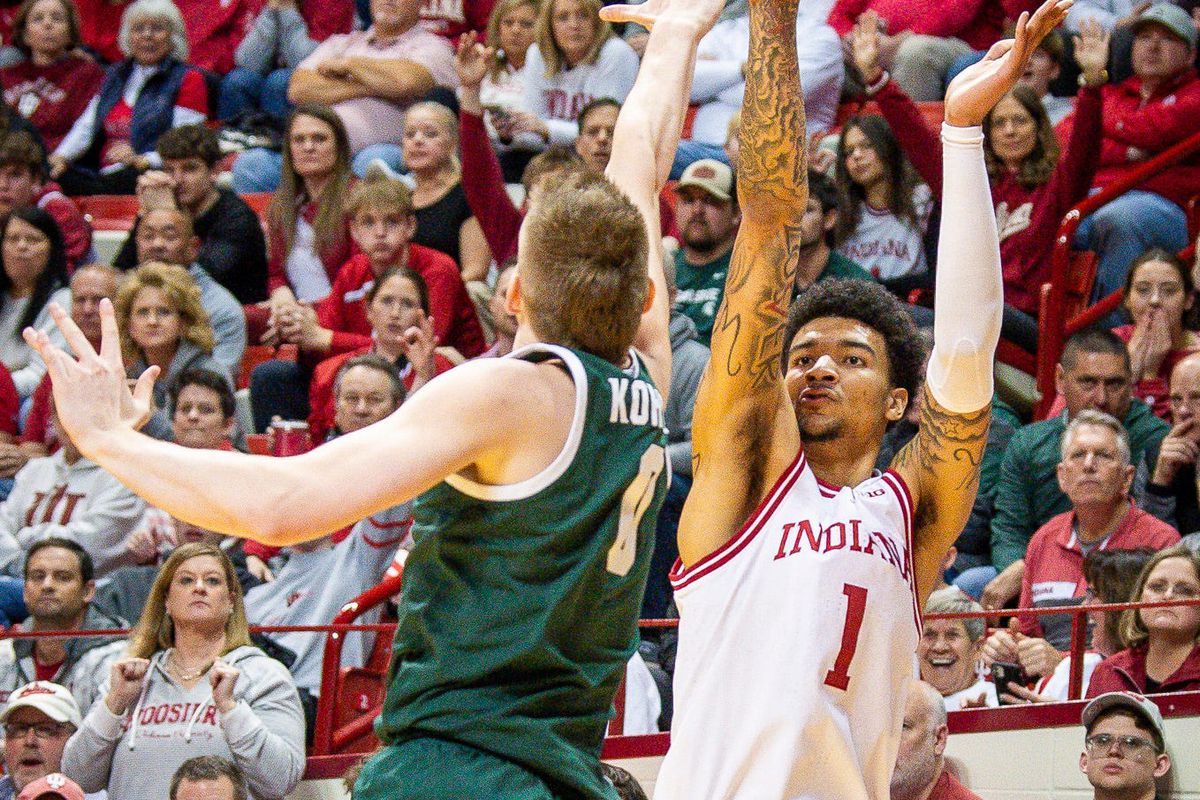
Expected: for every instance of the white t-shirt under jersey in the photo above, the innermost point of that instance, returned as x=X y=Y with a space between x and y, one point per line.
x=795 y=648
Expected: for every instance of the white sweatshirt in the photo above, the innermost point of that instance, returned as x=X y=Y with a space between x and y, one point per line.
x=557 y=99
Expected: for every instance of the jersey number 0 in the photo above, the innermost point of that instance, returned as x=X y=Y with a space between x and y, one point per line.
x=634 y=503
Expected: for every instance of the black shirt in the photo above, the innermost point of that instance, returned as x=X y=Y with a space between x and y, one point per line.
x=438 y=225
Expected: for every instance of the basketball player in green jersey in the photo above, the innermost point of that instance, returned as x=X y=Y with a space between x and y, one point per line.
x=539 y=477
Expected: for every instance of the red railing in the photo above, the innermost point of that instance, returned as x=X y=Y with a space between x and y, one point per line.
x=1054 y=327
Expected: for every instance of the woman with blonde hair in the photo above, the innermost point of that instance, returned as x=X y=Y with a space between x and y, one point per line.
x=152 y=91
x=191 y=684
x=1162 y=645
x=574 y=60
x=511 y=30
x=163 y=324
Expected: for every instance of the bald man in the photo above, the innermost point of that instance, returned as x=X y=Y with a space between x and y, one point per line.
x=1171 y=494
x=920 y=766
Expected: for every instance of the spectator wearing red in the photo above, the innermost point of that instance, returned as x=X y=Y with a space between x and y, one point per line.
x=151 y=91
x=1033 y=183
x=23 y=183
x=52 y=86
x=1143 y=115
x=921 y=772
x=926 y=37
x=1095 y=474
x=1173 y=488
x=215 y=31
x=397 y=307
x=1159 y=298
x=284 y=33
x=101 y=25
x=1162 y=644
x=453 y=18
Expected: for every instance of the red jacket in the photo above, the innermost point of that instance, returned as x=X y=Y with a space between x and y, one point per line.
x=1126 y=672
x=1155 y=392
x=1168 y=117
x=1054 y=560
x=214 y=30
x=101 y=21
x=76 y=231
x=1027 y=217
x=979 y=23
x=454 y=321
x=333 y=258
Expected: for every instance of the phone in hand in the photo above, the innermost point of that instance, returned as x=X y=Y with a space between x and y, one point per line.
x=1005 y=673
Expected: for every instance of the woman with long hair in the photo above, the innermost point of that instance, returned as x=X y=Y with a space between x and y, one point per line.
x=1160 y=300
x=151 y=91
x=163 y=324
x=444 y=220
x=52 y=86
x=883 y=209
x=574 y=60
x=33 y=273
x=511 y=29
x=1033 y=184
x=191 y=684
x=1162 y=645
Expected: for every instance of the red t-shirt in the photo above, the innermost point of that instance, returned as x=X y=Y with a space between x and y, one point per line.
x=45 y=672
x=215 y=29
x=118 y=125
x=37 y=423
x=52 y=97
x=948 y=788
x=10 y=404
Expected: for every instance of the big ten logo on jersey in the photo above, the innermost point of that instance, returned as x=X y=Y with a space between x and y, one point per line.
x=635 y=402
x=566 y=105
x=807 y=536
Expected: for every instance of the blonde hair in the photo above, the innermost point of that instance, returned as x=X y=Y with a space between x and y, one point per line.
x=182 y=293
x=552 y=54
x=160 y=9
x=155 y=630
x=1133 y=629
x=377 y=192
x=447 y=120
x=501 y=10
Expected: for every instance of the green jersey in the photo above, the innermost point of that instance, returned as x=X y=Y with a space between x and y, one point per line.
x=520 y=603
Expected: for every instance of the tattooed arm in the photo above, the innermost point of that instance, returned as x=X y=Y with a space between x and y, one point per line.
x=941 y=464
x=744 y=431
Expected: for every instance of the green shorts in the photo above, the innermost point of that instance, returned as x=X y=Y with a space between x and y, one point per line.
x=435 y=769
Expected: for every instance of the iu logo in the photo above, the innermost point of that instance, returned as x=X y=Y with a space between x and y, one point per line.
x=704 y=172
x=364 y=702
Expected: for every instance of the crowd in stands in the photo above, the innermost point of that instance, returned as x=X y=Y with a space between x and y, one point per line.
x=400 y=161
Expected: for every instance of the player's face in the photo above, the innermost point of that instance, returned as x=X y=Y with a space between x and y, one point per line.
x=1121 y=770
x=1172 y=579
x=705 y=222
x=517 y=29
x=154 y=323
x=1014 y=131
x=199 y=420
x=573 y=25
x=382 y=234
x=1092 y=471
x=594 y=144
x=1096 y=380
x=395 y=308
x=54 y=587
x=838 y=382
x=427 y=143
x=863 y=163
x=364 y=397
x=947 y=656
x=199 y=594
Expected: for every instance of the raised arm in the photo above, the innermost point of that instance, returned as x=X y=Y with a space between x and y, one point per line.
x=941 y=464
x=744 y=431
x=647 y=133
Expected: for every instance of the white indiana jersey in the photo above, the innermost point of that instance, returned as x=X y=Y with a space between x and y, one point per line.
x=796 y=644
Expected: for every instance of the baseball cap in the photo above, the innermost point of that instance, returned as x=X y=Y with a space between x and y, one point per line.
x=710 y=175
x=53 y=700
x=1171 y=17
x=1129 y=700
x=55 y=783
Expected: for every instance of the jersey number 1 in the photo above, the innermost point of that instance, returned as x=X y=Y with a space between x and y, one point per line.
x=856 y=607
x=634 y=503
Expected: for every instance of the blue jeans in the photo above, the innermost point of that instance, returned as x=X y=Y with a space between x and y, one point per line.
x=1122 y=230
x=257 y=170
x=974 y=580
x=246 y=90
x=390 y=154
x=691 y=151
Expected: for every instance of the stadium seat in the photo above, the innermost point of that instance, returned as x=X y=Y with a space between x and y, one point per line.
x=109 y=212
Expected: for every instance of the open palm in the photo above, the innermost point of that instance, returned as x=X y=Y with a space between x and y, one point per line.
x=978 y=88
x=702 y=13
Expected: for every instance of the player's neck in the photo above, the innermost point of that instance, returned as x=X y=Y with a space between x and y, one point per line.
x=830 y=462
x=1130 y=794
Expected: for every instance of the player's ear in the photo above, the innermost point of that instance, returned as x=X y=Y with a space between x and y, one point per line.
x=650 y=291
x=512 y=304
x=897 y=404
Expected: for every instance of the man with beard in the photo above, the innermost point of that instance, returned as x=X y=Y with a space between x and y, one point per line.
x=708 y=217
x=920 y=765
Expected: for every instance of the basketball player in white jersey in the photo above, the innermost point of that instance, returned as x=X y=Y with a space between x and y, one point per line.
x=801 y=569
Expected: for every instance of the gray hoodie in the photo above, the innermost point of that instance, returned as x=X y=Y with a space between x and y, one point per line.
x=134 y=756
x=688 y=359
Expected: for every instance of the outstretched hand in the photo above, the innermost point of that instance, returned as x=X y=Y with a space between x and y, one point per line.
x=978 y=88
x=91 y=394
x=471 y=60
x=702 y=13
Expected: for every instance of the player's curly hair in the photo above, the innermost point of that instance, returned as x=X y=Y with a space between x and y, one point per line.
x=875 y=307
